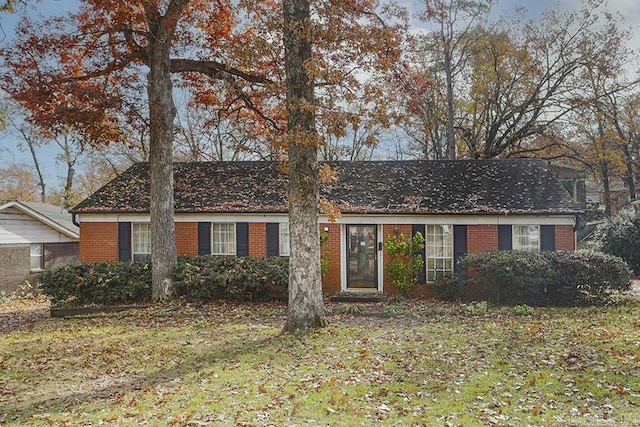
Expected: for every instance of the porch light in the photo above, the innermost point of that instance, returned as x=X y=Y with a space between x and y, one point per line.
x=326 y=228
x=396 y=230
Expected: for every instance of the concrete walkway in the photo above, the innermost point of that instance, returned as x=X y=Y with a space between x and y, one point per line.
x=635 y=288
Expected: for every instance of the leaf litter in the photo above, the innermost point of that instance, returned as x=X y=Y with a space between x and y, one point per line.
x=222 y=364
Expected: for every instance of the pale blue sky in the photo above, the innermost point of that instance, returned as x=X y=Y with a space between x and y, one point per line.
x=54 y=172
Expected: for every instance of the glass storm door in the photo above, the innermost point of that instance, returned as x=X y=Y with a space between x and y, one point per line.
x=362 y=257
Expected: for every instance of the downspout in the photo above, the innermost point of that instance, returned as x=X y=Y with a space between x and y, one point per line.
x=74 y=220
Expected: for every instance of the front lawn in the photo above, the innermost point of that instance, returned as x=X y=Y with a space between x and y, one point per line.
x=417 y=363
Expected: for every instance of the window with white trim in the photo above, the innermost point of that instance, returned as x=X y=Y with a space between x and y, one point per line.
x=37 y=256
x=140 y=241
x=284 y=238
x=223 y=238
x=526 y=238
x=438 y=242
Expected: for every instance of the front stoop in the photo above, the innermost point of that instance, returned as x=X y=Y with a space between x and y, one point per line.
x=351 y=296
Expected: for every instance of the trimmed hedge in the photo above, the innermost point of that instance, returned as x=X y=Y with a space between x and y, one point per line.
x=204 y=278
x=561 y=278
x=105 y=283
x=231 y=278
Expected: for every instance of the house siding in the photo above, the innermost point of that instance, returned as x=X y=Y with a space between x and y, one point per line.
x=565 y=238
x=257 y=239
x=59 y=254
x=98 y=241
x=332 y=252
x=482 y=238
x=187 y=238
x=15 y=262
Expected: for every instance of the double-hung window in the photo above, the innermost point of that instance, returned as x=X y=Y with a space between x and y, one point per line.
x=141 y=241
x=283 y=238
x=526 y=238
x=223 y=239
x=439 y=250
x=37 y=256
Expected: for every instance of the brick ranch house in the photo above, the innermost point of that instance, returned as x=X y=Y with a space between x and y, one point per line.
x=240 y=208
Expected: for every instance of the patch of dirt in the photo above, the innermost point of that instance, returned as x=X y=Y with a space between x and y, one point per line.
x=23 y=313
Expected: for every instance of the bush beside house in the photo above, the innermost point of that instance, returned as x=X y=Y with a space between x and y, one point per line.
x=561 y=278
x=198 y=277
x=620 y=236
x=232 y=278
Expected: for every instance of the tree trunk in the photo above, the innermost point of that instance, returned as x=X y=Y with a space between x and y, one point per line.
x=606 y=184
x=36 y=163
x=162 y=113
x=306 y=308
x=629 y=169
x=451 y=139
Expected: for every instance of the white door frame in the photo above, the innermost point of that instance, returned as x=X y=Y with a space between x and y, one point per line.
x=344 y=256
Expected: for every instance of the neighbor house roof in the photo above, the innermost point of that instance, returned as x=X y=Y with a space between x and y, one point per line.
x=53 y=216
x=515 y=186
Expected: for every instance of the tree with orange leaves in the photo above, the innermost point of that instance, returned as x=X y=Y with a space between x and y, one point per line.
x=236 y=64
x=79 y=74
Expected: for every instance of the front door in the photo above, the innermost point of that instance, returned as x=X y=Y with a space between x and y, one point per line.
x=362 y=259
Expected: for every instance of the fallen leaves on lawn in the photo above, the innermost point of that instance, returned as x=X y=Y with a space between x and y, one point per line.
x=428 y=363
x=22 y=313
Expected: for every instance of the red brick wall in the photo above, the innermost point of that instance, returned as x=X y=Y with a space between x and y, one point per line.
x=331 y=250
x=258 y=239
x=98 y=241
x=187 y=238
x=482 y=238
x=565 y=237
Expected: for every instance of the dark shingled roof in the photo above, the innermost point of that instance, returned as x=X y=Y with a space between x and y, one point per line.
x=515 y=186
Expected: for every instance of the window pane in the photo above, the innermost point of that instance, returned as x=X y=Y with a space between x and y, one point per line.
x=141 y=242
x=439 y=250
x=36 y=256
x=223 y=239
x=526 y=238
x=284 y=239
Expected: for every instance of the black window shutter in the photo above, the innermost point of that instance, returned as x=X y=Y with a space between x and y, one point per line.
x=422 y=273
x=242 y=239
x=548 y=237
x=204 y=238
x=505 y=241
x=124 y=241
x=459 y=245
x=273 y=239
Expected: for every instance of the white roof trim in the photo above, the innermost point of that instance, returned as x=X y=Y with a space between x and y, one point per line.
x=346 y=218
x=41 y=217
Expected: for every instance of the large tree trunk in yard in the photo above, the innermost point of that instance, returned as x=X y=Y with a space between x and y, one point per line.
x=306 y=308
x=162 y=113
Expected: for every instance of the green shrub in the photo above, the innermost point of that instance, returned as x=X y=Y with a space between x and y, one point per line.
x=212 y=278
x=476 y=308
x=585 y=277
x=449 y=286
x=352 y=310
x=523 y=310
x=620 y=236
x=204 y=278
x=105 y=283
x=404 y=261
x=513 y=277
x=549 y=278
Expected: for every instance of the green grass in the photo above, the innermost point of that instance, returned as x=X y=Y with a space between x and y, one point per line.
x=422 y=363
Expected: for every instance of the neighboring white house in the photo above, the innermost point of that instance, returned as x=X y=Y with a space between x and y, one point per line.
x=34 y=237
